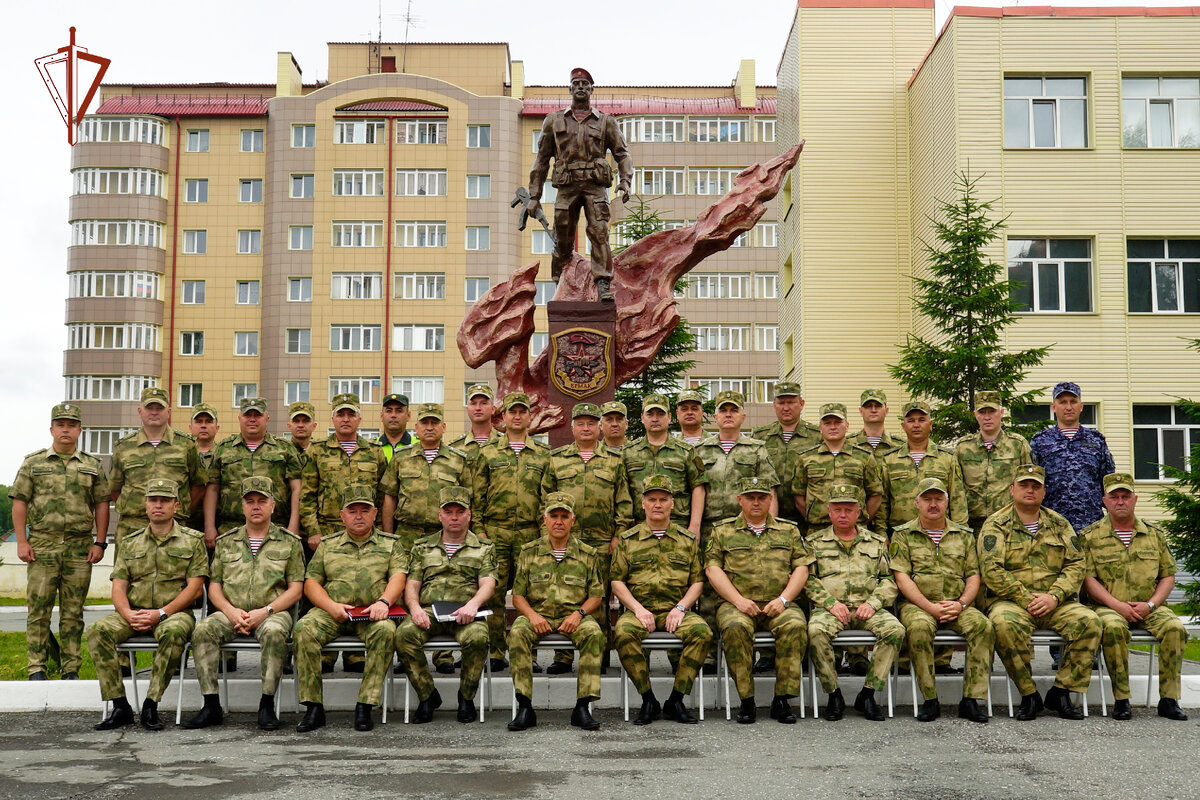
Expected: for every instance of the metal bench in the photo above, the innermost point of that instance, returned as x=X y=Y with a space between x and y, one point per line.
x=761 y=639
x=1136 y=636
x=348 y=644
x=1046 y=638
x=851 y=638
x=950 y=639
x=447 y=643
x=661 y=640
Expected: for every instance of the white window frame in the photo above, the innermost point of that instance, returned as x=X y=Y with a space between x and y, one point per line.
x=420 y=183
x=107 y=387
x=141 y=284
x=718 y=129
x=116 y=232
x=479 y=187
x=304 y=135
x=190 y=394
x=249 y=242
x=190 y=290
x=766 y=285
x=357 y=233
x=356 y=286
x=479 y=237
x=652 y=129
x=421 y=131
x=359 y=131
x=358 y=183
x=420 y=388
x=719 y=286
x=250 y=190
x=419 y=286
x=766 y=338
x=420 y=233
x=297 y=341
x=191 y=343
x=764 y=129
x=112 y=336
x=196 y=190
x=722 y=338
x=1058 y=264
x=475 y=287
x=365 y=386
x=195 y=243
x=119 y=180
x=122 y=129
x=100 y=441
x=300 y=237
x=656 y=181
x=300 y=289
x=764 y=390
x=245 y=343
x=252 y=140
x=296 y=391
x=242 y=391
x=247 y=293
x=1180 y=268
x=197 y=140
x=541 y=243
x=717 y=385
x=418 y=338
x=305 y=181
x=1168 y=93
x=1025 y=104
x=355 y=338
x=479 y=136
x=1179 y=426
x=537 y=343
x=709 y=181
x=543 y=292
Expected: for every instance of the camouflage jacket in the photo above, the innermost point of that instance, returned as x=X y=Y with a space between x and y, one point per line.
x=1015 y=564
x=471 y=448
x=505 y=487
x=783 y=455
x=135 y=462
x=748 y=458
x=417 y=485
x=62 y=491
x=657 y=572
x=1130 y=574
x=759 y=567
x=445 y=578
x=900 y=478
x=252 y=581
x=818 y=470
x=674 y=458
x=1075 y=470
x=988 y=474
x=233 y=462
x=327 y=473
x=599 y=488
x=939 y=570
x=356 y=571
x=557 y=588
x=890 y=441
x=158 y=569
x=851 y=573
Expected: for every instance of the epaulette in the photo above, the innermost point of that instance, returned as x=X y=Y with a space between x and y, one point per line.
x=193 y=532
x=588 y=549
x=36 y=452
x=456 y=451
x=726 y=521
x=629 y=533
x=681 y=529
x=807 y=450
x=184 y=434
x=907 y=526
x=709 y=438
x=221 y=536
x=560 y=450
x=948 y=449
x=387 y=535
x=750 y=439
x=404 y=449
x=129 y=436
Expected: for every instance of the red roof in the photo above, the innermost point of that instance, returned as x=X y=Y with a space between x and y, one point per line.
x=622 y=106
x=184 y=105
x=392 y=105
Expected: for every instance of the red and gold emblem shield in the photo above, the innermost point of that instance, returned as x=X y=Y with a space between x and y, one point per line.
x=580 y=361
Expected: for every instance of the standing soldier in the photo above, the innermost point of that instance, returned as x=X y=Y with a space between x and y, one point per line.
x=936 y=566
x=660 y=453
x=257 y=577
x=658 y=576
x=157 y=575
x=506 y=483
x=302 y=421
x=204 y=429
x=785 y=439
x=1075 y=458
x=689 y=412
x=851 y=587
x=759 y=565
x=557 y=589
x=156 y=450
x=394 y=418
x=1033 y=565
x=989 y=460
x=595 y=478
x=480 y=409
x=903 y=467
x=61 y=494
x=614 y=424
x=873 y=408
x=1130 y=573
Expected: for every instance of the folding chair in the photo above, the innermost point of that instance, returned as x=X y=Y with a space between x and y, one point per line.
x=850 y=638
x=661 y=640
x=450 y=643
x=761 y=639
x=348 y=644
x=1136 y=636
x=1046 y=638
x=950 y=639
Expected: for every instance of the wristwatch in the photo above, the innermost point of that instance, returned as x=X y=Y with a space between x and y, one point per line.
x=102 y=545
x=161 y=615
x=581 y=611
x=270 y=610
x=785 y=601
x=1151 y=604
x=681 y=607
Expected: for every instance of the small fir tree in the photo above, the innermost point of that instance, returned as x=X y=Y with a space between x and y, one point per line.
x=1182 y=501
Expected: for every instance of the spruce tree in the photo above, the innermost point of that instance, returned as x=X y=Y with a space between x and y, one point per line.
x=1182 y=502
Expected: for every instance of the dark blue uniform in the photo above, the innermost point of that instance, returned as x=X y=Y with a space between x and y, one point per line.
x=1075 y=470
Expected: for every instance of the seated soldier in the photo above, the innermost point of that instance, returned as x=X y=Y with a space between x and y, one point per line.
x=557 y=588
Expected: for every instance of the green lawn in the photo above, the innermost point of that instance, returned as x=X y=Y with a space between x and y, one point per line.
x=1191 y=650
x=13 y=659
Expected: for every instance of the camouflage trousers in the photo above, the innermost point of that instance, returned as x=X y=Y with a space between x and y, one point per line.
x=603 y=564
x=472 y=638
x=706 y=606
x=981 y=642
x=317 y=629
x=61 y=571
x=106 y=633
x=216 y=630
x=823 y=626
x=1071 y=620
x=790 y=629
x=693 y=631
x=507 y=543
x=588 y=638
x=409 y=533
x=1165 y=627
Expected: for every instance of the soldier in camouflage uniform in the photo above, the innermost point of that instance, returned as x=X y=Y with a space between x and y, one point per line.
x=456 y=566
x=1033 y=565
x=394 y=416
x=302 y=420
x=481 y=407
x=613 y=425
x=657 y=575
x=358 y=566
x=834 y=461
x=204 y=428
x=600 y=488
x=557 y=590
x=989 y=460
x=154 y=451
x=157 y=575
x=689 y=412
x=851 y=587
x=873 y=408
x=505 y=486
x=1130 y=573
x=936 y=566
x=759 y=565
x=785 y=439
x=660 y=453
x=903 y=467
x=61 y=493
x=257 y=577
x=251 y=452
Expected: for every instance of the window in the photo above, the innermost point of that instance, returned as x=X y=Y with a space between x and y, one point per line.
x=245 y=343
x=766 y=286
x=249 y=242
x=549 y=193
x=100 y=441
x=764 y=129
x=247 y=293
x=116 y=232
x=651 y=129
x=354 y=337
x=720 y=287
x=366 y=387
x=766 y=338
x=712 y=181
x=537 y=138
x=419 y=338
x=658 y=180
x=250 y=190
x=1045 y=112
x=242 y=391
x=419 y=286
x=420 y=234
x=299 y=290
x=479 y=187
x=295 y=391
x=302 y=187
x=722 y=337
x=300 y=237
x=195 y=242
x=108 y=387
x=252 y=141
x=196 y=190
x=479 y=237
x=717 y=385
x=365 y=233
x=358 y=183
x=191 y=394
x=421 y=131
x=357 y=286
x=765 y=234
x=1164 y=275
x=193 y=293
x=197 y=141
x=543 y=292
x=420 y=182
x=362 y=131
x=538 y=343
x=299 y=341
x=146 y=131
x=1163 y=435
x=1161 y=112
x=1051 y=275
x=479 y=136
x=191 y=343
x=304 y=136
x=90 y=283
x=476 y=288
x=764 y=389
x=542 y=243
x=116 y=336
x=420 y=389
x=119 y=180
x=1043 y=412
x=717 y=129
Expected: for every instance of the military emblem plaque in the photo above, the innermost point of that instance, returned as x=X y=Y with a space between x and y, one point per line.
x=582 y=350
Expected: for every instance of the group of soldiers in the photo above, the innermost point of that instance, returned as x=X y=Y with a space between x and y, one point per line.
x=797 y=530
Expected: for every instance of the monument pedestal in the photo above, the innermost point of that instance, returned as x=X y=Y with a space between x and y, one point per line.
x=582 y=356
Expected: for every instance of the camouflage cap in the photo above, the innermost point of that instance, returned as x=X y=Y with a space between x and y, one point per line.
x=833 y=410
x=753 y=485
x=930 y=485
x=481 y=389
x=657 y=482
x=558 y=500
x=1066 y=387
x=258 y=484
x=845 y=493
x=1030 y=472
x=395 y=397
x=358 y=493
x=690 y=396
x=346 y=400
x=204 y=408
x=155 y=394
x=65 y=411
x=1118 y=480
x=302 y=407
x=428 y=410
x=915 y=405
x=728 y=396
x=454 y=495
x=586 y=410
x=878 y=395
x=615 y=407
x=515 y=399
x=986 y=399
x=786 y=389
x=162 y=487
x=258 y=404
x=658 y=401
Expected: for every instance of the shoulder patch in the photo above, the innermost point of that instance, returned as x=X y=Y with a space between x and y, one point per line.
x=195 y=534
x=1075 y=542
x=989 y=542
x=894 y=549
x=588 y=549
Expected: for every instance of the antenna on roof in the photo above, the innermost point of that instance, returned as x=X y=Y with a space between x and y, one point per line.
x=379 y=31
x=409 y=21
